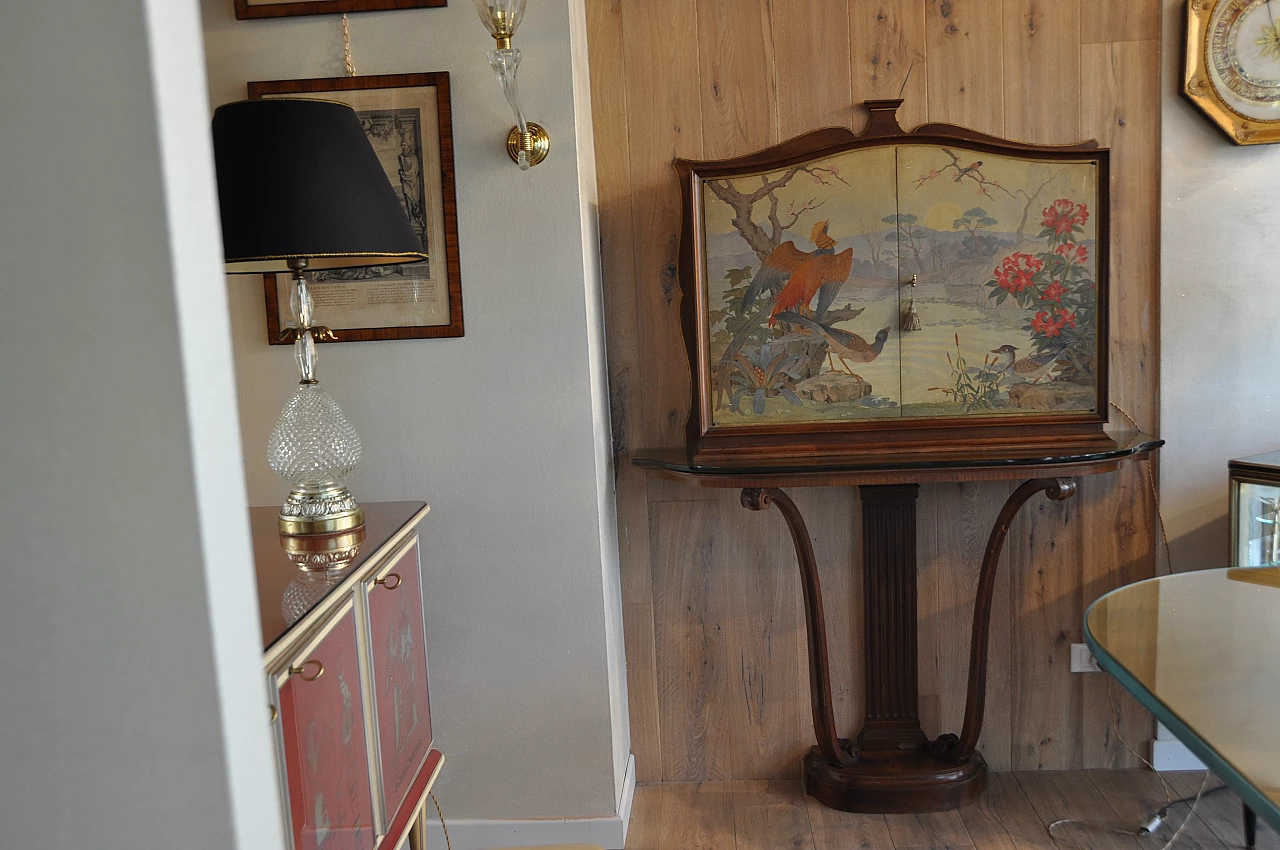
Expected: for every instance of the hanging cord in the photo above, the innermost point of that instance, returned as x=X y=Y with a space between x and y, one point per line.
x=346 y=48
x=1155 y=496
x=447 y=843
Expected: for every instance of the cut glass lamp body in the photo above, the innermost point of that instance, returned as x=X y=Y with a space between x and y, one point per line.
x=314 y=447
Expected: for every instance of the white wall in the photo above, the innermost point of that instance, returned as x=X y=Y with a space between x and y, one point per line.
x=1220 y=275
x=132 y=706
x=504 y=432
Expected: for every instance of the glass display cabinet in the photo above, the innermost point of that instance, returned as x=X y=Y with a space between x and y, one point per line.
x=1255 y=510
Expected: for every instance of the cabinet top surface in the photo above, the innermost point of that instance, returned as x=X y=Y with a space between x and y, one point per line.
x=1269 y=460
x=286 y=594
x=1000 y=461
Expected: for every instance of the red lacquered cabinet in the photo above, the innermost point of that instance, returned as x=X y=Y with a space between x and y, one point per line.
x=399 y=656
x=345 y=656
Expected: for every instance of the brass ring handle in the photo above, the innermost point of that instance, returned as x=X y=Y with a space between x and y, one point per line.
x=389 y=577
x=298 y=671
x=274 y=712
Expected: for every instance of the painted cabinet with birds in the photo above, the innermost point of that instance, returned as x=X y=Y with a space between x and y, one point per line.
x=842 y=284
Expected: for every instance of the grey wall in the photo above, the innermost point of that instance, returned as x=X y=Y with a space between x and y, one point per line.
x=1219 y=390
x=132 y=707
x=504 y=432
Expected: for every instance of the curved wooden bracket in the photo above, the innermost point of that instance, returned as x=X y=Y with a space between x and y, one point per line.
x=759 y=499
x=949 y=746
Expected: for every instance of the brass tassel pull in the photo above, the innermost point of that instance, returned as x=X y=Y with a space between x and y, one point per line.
x=911 y=319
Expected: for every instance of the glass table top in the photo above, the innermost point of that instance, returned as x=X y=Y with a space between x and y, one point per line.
x=1201 y=651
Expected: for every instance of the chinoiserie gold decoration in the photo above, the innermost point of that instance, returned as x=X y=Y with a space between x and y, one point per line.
x=1232 y=69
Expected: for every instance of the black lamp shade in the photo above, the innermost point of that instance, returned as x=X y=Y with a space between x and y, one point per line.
x=299 y=179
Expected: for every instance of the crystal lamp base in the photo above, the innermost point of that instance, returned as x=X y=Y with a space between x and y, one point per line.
x=320 y=510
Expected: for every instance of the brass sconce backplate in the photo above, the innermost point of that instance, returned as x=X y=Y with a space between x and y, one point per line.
x=540 y=140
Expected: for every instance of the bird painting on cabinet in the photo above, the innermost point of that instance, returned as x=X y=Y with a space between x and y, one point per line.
x=805 y=266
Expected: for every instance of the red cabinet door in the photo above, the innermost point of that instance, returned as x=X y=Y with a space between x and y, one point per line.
x=326 y=752
x=399 y=657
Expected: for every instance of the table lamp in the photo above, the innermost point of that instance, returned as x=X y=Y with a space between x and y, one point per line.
x=301 y=188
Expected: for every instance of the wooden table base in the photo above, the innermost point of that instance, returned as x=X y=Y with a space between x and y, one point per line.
x=893 y=766
x=894 y=783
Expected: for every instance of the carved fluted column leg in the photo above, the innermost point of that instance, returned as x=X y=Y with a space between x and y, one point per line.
x=889 y=597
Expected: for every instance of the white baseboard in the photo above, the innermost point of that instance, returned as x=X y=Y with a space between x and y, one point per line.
x=1172 y=754
x=608 y=832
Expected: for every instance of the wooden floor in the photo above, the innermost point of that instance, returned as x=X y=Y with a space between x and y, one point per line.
x=1013 y=814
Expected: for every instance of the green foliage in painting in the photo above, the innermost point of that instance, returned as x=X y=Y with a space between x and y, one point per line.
x=974 y=388
x=762 y=374
x=727 y=323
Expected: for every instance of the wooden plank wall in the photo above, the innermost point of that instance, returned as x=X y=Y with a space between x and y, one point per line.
x=714 y=629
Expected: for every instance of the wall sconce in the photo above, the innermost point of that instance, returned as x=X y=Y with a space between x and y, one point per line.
x=527 y=143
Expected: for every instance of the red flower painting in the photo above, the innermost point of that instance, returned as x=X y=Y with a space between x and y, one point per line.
x=1074 y=253
x=1042 y=324
x=1016 y=272
x=1055 y=286
x=1063 y=216
x=1053 y=292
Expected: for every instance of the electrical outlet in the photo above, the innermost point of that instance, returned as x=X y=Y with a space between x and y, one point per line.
x=1082 y=660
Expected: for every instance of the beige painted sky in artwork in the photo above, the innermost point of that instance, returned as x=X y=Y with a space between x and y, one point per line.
x=869 y=195
x=933 y=200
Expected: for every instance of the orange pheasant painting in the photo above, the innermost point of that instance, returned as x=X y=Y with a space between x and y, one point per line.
x=796 y=260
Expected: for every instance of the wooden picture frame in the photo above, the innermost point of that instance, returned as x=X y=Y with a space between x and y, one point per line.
x=408 y=118
x=1014 y=346
x=249 y=9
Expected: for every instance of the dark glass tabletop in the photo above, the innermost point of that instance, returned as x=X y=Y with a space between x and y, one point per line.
x=1067 y=454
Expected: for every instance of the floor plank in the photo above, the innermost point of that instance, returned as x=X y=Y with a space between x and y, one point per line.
x=694 y=816
x=1221 y=812
x=835 y=830
x=929 y=831
x=1013 y=814
x=1004 y=819
x=646 y=818
x=1069 y=794
x=1135 y=795
x=769 y=815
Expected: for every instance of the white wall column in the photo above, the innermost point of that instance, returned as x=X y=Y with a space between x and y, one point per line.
x=132 y=707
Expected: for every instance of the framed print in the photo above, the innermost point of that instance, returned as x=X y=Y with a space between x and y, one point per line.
x=845 y=293
x=246 y=9
x=407 y=120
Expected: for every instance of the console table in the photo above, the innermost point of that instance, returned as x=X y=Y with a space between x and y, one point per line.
x=891 y=766
x=345 y=658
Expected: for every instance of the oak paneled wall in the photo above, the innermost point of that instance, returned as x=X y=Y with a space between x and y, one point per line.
x=711 y=598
